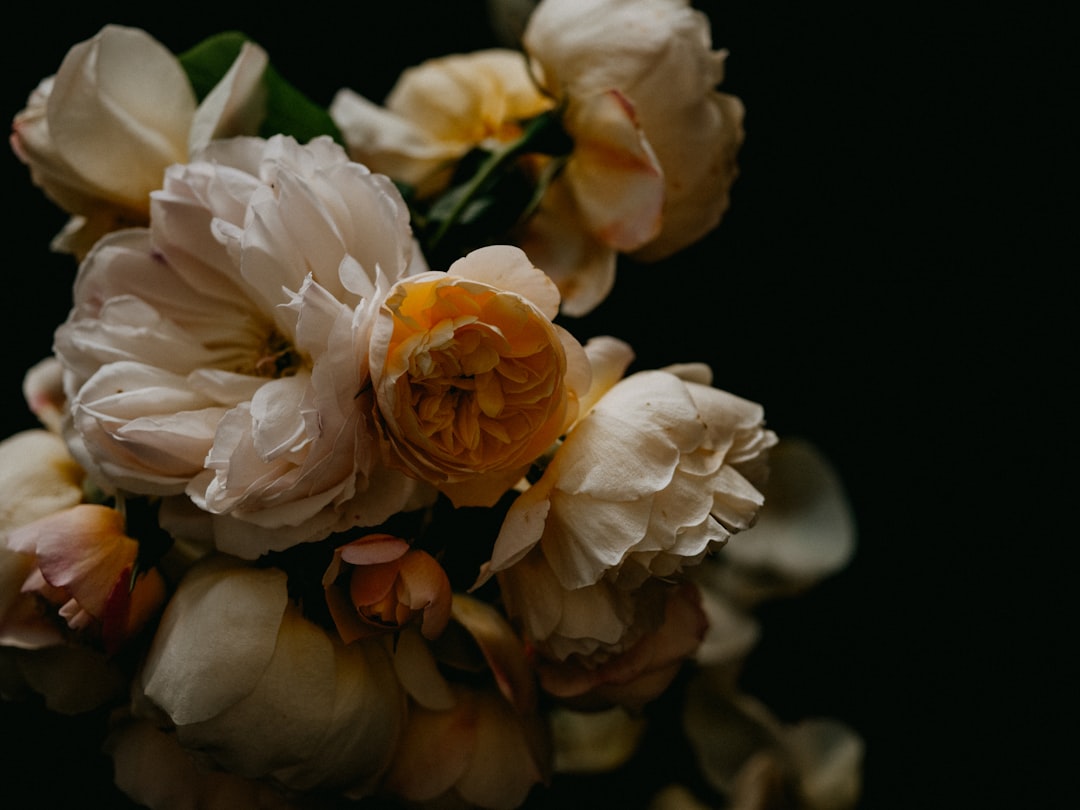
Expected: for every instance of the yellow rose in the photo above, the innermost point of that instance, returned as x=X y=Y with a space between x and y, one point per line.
x=473 y=380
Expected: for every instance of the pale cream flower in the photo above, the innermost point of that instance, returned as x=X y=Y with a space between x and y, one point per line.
x=657 y=56
x=473 y=380
x=223 y=352
x=98 y=135
x=242 y=676
x=438 y=111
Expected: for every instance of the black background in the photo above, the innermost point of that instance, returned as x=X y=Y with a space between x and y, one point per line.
x=886 y=283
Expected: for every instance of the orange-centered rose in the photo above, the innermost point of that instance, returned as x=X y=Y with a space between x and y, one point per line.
x=473 y=380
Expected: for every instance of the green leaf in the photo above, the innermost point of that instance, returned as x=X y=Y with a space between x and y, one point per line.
x=211 y=59
x=288 y=111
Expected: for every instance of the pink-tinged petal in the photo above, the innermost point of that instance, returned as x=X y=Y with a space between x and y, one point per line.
x=43 y=390
x=559 y=243
x=503 y=650
x=83 y=550
x=373 y=548
x=616 y=180
x=129 y=608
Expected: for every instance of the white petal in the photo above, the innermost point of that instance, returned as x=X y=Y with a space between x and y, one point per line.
x=222 y=614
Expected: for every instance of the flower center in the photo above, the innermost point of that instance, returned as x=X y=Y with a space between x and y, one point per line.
x=277 y=357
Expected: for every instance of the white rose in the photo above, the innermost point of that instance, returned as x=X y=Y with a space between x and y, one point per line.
x=223 y=351
x=98 y=135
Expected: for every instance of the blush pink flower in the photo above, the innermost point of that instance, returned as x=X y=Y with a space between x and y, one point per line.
x=472 y=378
x=378 y=584
x=84 y=565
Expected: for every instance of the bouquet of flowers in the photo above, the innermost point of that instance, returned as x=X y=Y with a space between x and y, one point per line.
x=329 y=506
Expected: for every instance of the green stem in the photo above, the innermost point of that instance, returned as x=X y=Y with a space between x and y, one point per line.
x=537 y=127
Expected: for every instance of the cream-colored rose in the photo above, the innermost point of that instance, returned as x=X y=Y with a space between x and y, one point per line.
x=222 y=353
x=657 y=56
x=437 y=112
x=99 y=134
x=243 y=677
x=643 y=487
x=473 y=380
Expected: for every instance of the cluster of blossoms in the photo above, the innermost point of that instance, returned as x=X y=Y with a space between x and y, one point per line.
x=325 y=499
